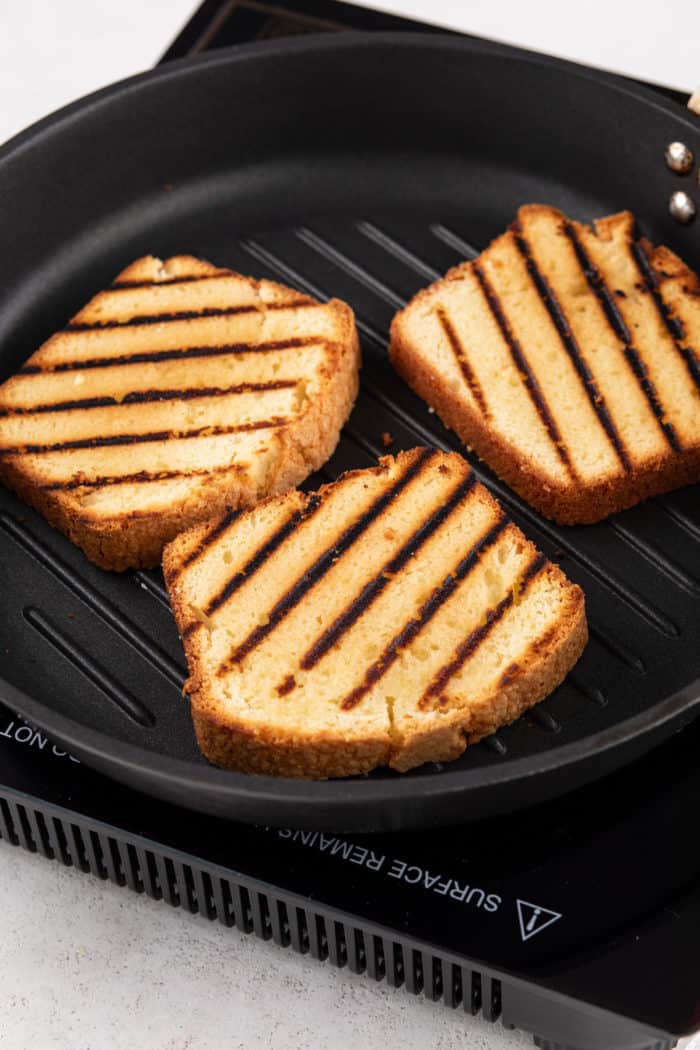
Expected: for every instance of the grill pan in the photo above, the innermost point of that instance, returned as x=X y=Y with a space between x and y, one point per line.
x=360 y=166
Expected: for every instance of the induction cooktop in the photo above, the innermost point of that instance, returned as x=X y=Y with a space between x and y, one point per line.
x=577 y=920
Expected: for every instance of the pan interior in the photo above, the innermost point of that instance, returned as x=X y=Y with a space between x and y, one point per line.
x=284 y=162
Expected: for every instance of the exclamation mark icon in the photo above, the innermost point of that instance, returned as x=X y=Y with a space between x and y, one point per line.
x=530 y=928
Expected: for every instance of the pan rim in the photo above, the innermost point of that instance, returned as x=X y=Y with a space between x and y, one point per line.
x=242 y=53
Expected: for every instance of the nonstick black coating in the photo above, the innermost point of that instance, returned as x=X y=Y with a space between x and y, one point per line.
x=356 y=166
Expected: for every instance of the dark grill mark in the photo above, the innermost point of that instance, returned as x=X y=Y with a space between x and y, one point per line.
x=426 y=612
x=212 y=535
x=469 y=646
x=175 y=354
x=523 y=366
x=598 y=285
x=186 y=315
x=263 y=553
x=138 y=397
x=287 y=685
x=641 y=374
x=138 y=439
x=323 y=563
x=572 y=348
x=165 y=318
x=671 y=323
x=511 y=672
x=462 y=360
x=138 y=477
x=118 y=286
x=359 y=605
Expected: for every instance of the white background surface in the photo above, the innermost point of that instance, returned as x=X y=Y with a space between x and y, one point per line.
x=85 y=965
x=53 y=51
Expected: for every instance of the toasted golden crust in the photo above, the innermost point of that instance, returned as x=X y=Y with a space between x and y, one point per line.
x=543 y=666
x=120 y=502
x=641 y=400
x=561 y=503
x=289 y=616
x=233 y=745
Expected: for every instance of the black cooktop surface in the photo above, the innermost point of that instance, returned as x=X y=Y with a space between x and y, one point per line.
x=595 y=895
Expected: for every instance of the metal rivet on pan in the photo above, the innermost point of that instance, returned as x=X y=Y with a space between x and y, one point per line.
x=679 y=158
x=681 y=207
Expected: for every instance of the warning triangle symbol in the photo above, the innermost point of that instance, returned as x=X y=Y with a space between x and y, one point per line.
x=533 y=918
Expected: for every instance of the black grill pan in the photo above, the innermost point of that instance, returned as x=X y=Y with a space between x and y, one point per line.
x=362 y=167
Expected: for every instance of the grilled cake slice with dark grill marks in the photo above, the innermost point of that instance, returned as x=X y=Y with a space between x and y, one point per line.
x=392 y=617
x=181 y=390
x=568 y=357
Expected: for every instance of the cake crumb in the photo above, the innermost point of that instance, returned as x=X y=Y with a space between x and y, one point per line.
x=387 y=439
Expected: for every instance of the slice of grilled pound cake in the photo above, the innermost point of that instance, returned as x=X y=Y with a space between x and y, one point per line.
x=181 y=390
x=392 y=617
x=569 y=359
